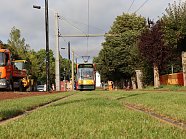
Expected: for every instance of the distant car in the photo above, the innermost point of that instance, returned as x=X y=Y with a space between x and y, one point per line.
x=41 y=88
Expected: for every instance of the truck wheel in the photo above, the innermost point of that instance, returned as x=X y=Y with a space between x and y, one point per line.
x=20 y=86
x=10 y=86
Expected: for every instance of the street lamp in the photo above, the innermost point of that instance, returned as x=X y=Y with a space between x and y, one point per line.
x=57 y=69
x=47 y=45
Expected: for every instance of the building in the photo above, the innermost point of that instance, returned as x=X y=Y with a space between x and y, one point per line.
x=98 y=80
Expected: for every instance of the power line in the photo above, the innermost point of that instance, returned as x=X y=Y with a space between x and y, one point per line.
x=83 y=34
x=88 y=26
x=77 y=22
x=141 y=6
x=130 y=6
x=63 y=18
x=59 y=34
x=96 y=27
x=63 y=39
x=92 y=35
x=88 y=35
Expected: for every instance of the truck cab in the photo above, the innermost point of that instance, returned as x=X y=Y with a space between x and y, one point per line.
x=6 y=68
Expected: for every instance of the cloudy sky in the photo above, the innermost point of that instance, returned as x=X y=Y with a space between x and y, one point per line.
x=74 y=20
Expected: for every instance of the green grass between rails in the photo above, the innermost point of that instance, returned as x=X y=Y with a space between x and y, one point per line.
x=12 y=107
x=171 y=103
x=92 y=115
x=167 y=87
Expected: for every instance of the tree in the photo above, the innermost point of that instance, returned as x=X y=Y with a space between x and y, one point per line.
x=174 y=30
x=175 y=24
x=65 y=68
x=120 y=57
x=17 y=45
x=41 y=61
x=153 y=49
x=1 y=44
x=34 y=64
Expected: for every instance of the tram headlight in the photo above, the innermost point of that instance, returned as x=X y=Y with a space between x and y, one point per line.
x=80 y=82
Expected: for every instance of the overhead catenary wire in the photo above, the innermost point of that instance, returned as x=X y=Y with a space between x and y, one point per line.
x=95 y=27
x=88 y=26
x=82 y=32
x=130 y=6
x=141 y=6
x=72 y=22
x=59 y=34
x=64 y=39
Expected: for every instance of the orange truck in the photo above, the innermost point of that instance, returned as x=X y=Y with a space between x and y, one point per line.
x=13 y=74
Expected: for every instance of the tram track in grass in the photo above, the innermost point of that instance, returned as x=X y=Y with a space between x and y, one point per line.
x=163 y=118
x=181 y=124
x=30 y=110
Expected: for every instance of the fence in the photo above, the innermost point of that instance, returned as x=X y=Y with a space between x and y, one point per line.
x=172 y=79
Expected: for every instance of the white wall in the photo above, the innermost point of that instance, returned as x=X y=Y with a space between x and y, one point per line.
x=98 y=80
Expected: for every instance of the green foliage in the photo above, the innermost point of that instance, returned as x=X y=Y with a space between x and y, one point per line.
x=33 y=64
x=148 y=75
x=120 y=57
x=174 y=21
x=41 y=61
x=65 y=68
x=1 y=44
x=175 y=24
x=17 y=45
x=37 y=61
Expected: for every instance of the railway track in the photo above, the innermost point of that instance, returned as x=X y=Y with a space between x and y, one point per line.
x=162 y=118
x=30 y=110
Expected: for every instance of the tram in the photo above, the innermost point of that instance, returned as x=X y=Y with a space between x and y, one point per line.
x=85 y=77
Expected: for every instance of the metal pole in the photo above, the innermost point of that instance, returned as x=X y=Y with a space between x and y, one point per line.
x=172 y=69
x=57 y=53
x=68 y=61
x=72 y=70
x=64 y=80
x=69 y=50
x=47 y=47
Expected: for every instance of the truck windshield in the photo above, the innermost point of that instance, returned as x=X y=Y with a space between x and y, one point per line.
x=2 y=59
x=19 y=65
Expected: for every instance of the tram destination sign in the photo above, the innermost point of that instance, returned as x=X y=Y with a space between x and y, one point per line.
x=85 y=66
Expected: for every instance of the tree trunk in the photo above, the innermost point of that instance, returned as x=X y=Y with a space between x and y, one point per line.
x=184 y=67
x=139 y=79
x=156 y=76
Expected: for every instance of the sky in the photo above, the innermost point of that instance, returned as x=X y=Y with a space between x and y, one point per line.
x=75 y=19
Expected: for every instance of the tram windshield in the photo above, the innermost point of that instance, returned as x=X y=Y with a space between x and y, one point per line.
x=85 y=73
